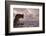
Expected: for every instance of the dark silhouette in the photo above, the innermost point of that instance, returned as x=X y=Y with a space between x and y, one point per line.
x=17 y=17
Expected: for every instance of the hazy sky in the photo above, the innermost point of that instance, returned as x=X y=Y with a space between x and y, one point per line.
x=29 y=13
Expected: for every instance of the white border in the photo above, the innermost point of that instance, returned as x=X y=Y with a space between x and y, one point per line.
x=29 y=28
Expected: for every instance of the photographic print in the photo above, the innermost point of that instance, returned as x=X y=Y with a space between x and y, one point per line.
x=24 y=17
